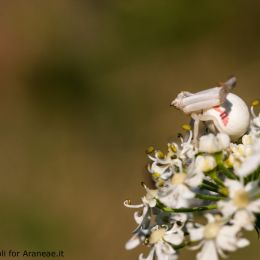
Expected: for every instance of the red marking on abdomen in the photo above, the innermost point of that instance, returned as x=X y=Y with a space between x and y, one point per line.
x=223 y=115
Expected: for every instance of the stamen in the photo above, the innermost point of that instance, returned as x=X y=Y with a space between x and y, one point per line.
x=149 y=150
x=146 y=242
x=172 y=148
x=160 y=154
x=127 y=202
x=180 y=136
x=143 y=185
x=254 y=104
x=186 y=127
x=190 y=138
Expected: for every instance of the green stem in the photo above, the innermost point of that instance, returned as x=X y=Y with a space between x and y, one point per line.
x=208 y=197
x=208 y=187
x=221 y=190
x=213 y=175
x=253 y=176
x=227 y=172
x=209 y=183
x=183 y=210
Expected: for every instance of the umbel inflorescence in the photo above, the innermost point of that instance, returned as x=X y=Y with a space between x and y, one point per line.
x=211 y=176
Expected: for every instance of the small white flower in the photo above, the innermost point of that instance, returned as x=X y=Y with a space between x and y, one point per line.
x=242 y=203
x=215 y=238
x=176 y=193
x=148 y=201
x=241 y=151
x=214 y=143
x=162 y=240
x=205 y=163
x=163 y=166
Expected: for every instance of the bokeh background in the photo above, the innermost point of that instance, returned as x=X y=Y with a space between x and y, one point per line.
x=85 y=87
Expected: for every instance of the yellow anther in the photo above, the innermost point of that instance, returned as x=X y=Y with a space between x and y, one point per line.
x=255 y=103
x=128 y=202
x=160 y=154
x=172 y=148
x=186 y=127
x=146 y=242
x=149 y=150
x=160 y=183
x=228 y=163
x=156 y=175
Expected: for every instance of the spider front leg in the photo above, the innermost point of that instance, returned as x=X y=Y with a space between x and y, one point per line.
x=196 y=119
x=190 y=103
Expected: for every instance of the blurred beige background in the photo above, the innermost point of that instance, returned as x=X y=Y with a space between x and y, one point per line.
x=85 y=88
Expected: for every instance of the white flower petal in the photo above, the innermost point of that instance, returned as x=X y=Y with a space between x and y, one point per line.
x=196 y=179
x=208 y=143
x=165 y=248
x=186 y=192
x=196 y=233
x=182 y=217
x=244 y=219
x=243 y=242
x=227 y=208
x=249 y=166
x=247 y=139
x=208 y=251
x=226 y=240
x=133 y=242
x=252 y=186
x=174 y=236
x=210 y=218
x=233 y=187
x=223 y=140
x=254 y=206
x=205 y=163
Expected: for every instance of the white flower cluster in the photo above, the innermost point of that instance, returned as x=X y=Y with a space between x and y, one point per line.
x=216 y=179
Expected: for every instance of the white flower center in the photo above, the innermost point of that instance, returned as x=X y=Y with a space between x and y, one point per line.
x=179 y=178
x=241 y=199
x=157 y=235
x=211 y=230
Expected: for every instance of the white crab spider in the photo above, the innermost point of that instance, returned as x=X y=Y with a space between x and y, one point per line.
x=221 y=110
